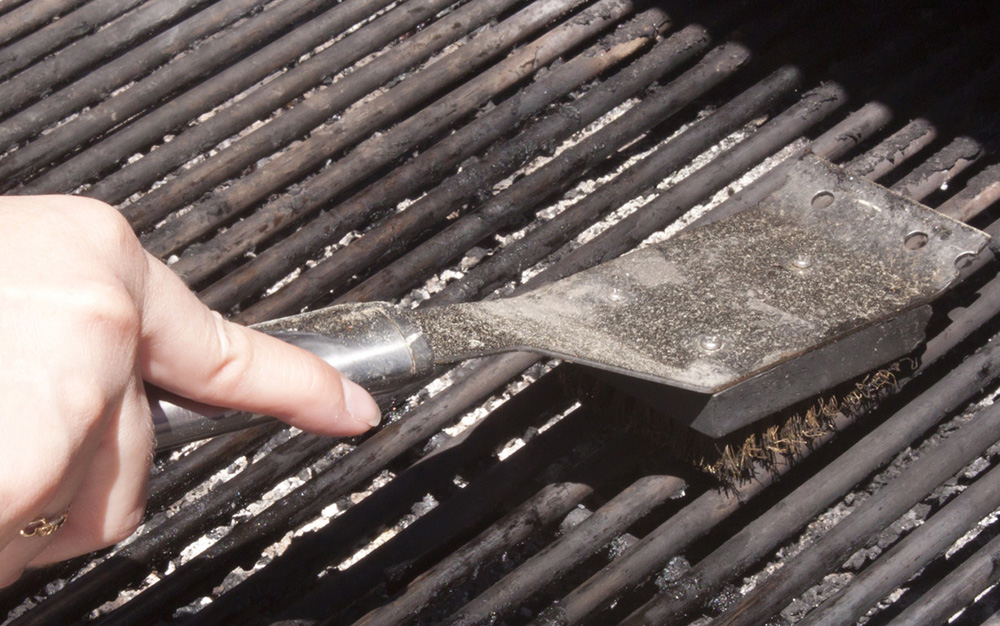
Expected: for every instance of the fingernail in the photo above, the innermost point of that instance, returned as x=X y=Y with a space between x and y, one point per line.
x=360 y=404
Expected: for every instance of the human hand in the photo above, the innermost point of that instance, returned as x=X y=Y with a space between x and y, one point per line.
x=86 y=315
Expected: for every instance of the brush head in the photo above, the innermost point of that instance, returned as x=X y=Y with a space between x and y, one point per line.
x=724 y=324
x=736 y=457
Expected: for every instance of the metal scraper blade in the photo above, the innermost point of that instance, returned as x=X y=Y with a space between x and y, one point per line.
x=821 y=281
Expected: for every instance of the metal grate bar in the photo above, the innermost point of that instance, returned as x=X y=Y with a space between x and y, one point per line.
x=368 y=150
x=233 y=78
x=212 y=56
x=278 y=260
x=378 y=151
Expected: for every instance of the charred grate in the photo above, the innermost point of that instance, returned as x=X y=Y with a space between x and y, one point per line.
x=289 y=154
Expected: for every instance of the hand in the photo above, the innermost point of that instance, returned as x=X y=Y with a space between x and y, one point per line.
x=85 y=316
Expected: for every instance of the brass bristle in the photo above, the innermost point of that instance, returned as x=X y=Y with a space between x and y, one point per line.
x=733 y=458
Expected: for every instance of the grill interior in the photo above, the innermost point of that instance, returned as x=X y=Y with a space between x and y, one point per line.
x=286 y=155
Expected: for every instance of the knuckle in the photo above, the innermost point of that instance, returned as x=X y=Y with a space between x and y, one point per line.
x=105 y=306
x=103 y=217
x=234 y=358
x=106 y=226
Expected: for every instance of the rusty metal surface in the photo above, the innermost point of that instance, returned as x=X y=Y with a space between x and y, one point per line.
x=820 y=259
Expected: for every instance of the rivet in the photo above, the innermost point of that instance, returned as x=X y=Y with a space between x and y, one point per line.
x=915 y=240
x=822 y=200
x=964 y=260
x=710 y=343
x=802 y=262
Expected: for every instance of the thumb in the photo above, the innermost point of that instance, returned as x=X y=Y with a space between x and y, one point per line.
x=191 y=351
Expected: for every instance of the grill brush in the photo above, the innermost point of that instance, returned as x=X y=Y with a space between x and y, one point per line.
x=716 y=328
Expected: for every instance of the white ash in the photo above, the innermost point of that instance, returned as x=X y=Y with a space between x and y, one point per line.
x=378 y=92
x=987 y=522
x=585 y=186
x=225 y=143
x=361 y=105
x=889 y=536
x=270 y=77
x=253 y=509
x=517 y=443
x=380 y=481
x=405 y=203
x=279 y=491
x=674 y=570
x=431 y=389
x=196 y=548
x=66 y=120
x=510 y=448
x=883 y=604
x=349 y=31
x=414 y=297
x=541 y=160
x=599 y=123
x=5 y=153
x=207 y=486
x=574 y=518
x=620 y=545
x=816 y=595
x=436 y=283
x=668 y=181
x=541 y=215
x=976 y=468
x=279 y=438
x=487 y=407
x=124 y=597
x=427 y=504
x=295 y=273
x=473 y=256
x=268 y=555
x=311 y=263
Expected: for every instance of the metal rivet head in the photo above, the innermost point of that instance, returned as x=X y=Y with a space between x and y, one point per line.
x=802 y=261
x=964 y=260
x=710 y=343
x=915 y=240
x=822 y=200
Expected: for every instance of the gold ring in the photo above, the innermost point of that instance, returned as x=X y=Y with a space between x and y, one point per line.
x=43 y=527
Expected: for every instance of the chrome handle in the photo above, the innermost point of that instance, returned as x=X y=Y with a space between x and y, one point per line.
x=374 y=344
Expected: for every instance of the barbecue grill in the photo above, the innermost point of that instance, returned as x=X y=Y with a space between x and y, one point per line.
x=286 y=155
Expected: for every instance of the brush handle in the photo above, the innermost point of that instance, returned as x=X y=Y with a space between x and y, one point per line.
x=373 y=344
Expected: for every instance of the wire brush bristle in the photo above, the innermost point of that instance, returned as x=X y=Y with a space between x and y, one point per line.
x=733 y=458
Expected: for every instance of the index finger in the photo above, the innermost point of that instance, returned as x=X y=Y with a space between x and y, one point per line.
x=191 y=351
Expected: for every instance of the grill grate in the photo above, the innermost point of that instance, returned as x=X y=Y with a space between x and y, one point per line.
x=285 y=155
